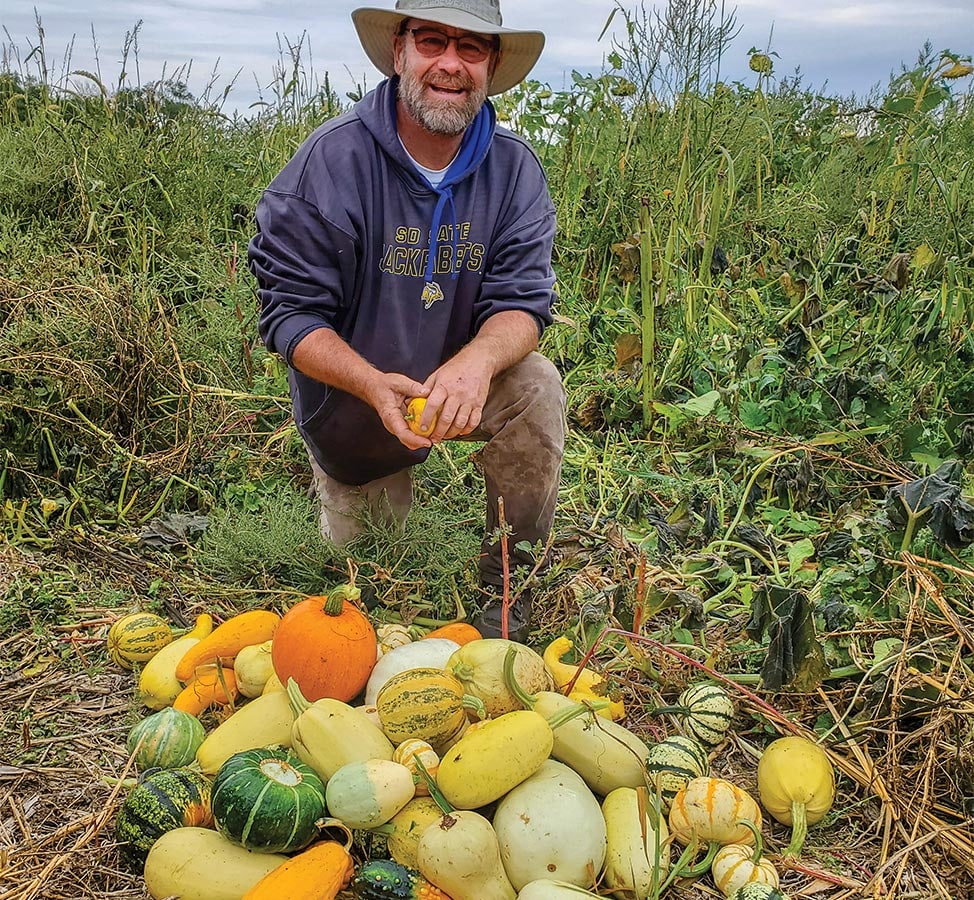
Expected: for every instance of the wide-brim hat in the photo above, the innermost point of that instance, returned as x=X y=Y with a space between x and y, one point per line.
x=519 y=49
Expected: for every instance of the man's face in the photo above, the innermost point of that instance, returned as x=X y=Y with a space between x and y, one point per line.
x=441 y=88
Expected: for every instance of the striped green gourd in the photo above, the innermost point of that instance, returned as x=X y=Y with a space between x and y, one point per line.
x=136 y=638
x=163 y=800
x=672 y=763
x=268 y=800
x=705 y=712
x=167 y=739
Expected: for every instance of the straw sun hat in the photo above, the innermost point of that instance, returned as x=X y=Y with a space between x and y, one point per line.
x=519 y=49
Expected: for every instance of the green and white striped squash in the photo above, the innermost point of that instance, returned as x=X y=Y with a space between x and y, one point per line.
x=671 y=764
x=167 y=739
x=163 y=800
x=758 y=891
x=706 y=712
x=136 y=638
x=426 y=704
x=268 y=800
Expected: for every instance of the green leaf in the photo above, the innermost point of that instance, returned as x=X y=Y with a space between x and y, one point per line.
x=699 y=407
x=798 y=553
x=752 y=415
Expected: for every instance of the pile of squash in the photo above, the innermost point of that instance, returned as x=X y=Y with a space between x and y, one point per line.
x=493 y=772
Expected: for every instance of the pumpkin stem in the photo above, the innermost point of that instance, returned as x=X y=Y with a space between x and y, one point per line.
x=296 y=699
x=683 y=868
x=799 y=829
x=335 y=601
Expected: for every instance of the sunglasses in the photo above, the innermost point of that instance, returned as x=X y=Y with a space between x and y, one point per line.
x=470 y=48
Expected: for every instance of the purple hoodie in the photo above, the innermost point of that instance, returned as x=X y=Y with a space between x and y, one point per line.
x=343 y=242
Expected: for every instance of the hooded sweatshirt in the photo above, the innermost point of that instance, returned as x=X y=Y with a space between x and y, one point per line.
x=345 y=241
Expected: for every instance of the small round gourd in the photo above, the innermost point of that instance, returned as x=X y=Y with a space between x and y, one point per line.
x=391 y=636
x=736 y=865
x=383 y=879
x=711 y=809
x=706 y=712
x=268 y=800
x=758 y=891
x=163 y=800
x=136 y=638
x=672 y=763
x=407 y=754
x=167 y=739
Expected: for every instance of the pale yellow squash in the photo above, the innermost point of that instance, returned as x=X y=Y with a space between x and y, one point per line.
x=263 y=722
x=158 y=685
x=253 y=666
x=638 y=855
x=201 y=864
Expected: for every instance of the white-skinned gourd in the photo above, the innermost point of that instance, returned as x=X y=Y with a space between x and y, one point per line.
x=429 y=654
x=480 y=667
x=368 y=794
x=551 y=825
x=460 y=855
x=546 y=889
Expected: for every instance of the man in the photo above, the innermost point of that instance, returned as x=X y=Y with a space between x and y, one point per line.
x=405 y=251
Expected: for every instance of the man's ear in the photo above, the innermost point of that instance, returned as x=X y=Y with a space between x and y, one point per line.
x=398 y=48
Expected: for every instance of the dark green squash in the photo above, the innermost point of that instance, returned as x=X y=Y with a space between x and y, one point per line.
x=383 y=879
x=268 y=800
x=163 y=800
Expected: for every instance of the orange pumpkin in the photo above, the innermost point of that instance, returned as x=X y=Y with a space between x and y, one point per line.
x=327 y=645
x=460 y=632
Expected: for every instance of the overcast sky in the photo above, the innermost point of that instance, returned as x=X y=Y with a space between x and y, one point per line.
x=842 y=46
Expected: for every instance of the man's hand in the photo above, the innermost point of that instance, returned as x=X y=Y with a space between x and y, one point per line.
x=457 y=392
x=388 y=394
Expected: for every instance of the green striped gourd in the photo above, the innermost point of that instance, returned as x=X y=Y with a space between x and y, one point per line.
x=163 y=800
x=136 y=638
x=705 y=712
x=167 y=739
x=268 y=800
x=758 y=891
x=671 y=764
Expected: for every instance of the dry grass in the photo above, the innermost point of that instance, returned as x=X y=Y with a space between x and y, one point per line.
x=900 y=827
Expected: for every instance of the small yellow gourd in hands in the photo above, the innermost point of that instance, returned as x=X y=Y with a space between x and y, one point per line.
x=587 y=686
x=796 y=784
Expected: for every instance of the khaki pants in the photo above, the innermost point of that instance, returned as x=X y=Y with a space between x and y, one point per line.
x=523 y=426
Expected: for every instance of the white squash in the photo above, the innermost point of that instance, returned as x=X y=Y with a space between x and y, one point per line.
x=460 y=855
x=551 y=825
x=368 y=794
x=430 y=653
x=639 y=853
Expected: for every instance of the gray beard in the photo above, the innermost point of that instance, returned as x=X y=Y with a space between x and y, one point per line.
x=446 y=119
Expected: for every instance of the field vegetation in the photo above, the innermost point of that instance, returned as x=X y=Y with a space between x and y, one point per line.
x=765 y=331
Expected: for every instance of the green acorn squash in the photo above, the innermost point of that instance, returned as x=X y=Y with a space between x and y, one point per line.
x=167 y=739
x=268 y=800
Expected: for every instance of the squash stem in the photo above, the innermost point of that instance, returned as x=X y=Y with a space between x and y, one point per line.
x=529 y=700
x=799 y=829
x=758 y=840
x=476 y=704
x=683 y=869
x=296 y=699
x=445 y=806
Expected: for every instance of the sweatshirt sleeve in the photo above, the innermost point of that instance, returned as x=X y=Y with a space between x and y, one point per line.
x=304 y=266
x=519 y=274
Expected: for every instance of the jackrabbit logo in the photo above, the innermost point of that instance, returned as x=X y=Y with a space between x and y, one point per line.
x=431 y=293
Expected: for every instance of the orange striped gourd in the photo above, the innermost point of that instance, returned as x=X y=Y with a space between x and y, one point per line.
x=711 y=809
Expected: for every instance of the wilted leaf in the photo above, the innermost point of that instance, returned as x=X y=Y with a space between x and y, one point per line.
x=794 y=656
x=629 y=349
x=951 y=517
x=924 y=256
